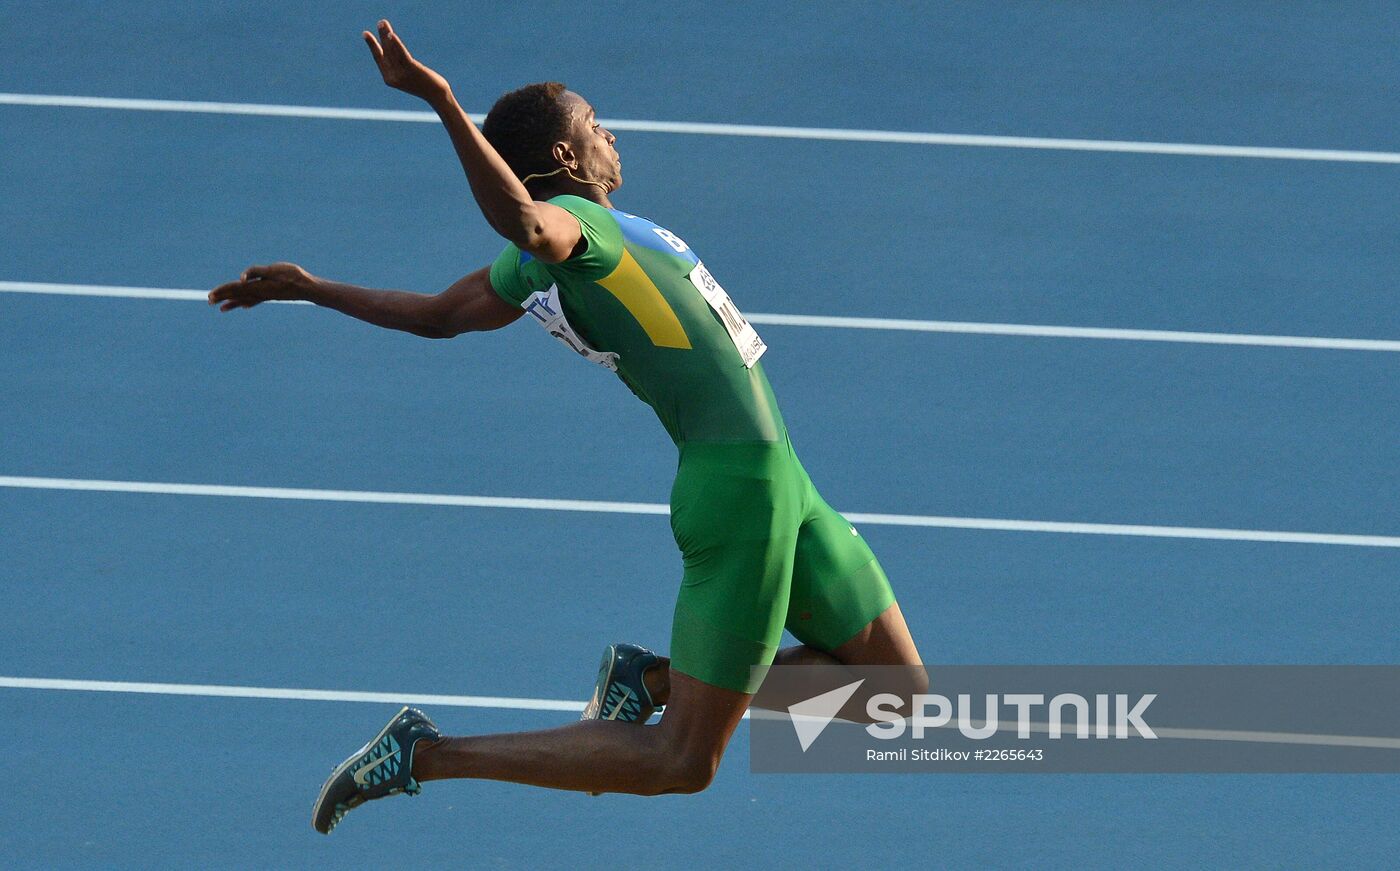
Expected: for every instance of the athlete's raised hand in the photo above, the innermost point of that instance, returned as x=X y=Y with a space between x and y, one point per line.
x=262 y=283
x=399 y=68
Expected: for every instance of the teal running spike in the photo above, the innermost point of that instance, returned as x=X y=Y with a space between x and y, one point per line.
x=383 y=767
x=620 y=694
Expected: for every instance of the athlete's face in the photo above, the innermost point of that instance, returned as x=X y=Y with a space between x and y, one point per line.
x=593 y=146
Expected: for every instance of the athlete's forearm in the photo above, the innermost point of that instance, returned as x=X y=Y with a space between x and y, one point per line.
x=508 y=207
x=392 y=309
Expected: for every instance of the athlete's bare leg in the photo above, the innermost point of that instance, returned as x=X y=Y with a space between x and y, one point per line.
x=678 y=754
x=683 y=750
x=885 y=641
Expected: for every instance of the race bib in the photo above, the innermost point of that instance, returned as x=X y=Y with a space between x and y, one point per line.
x=741 y=332
x=545 y=308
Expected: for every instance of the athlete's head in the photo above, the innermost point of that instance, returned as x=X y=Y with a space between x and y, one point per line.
x=545 y=128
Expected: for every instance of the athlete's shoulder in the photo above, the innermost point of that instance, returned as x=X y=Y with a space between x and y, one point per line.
x=602 y=234
x=515 y=275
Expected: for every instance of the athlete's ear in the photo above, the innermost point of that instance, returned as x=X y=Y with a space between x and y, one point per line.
x=563 y=154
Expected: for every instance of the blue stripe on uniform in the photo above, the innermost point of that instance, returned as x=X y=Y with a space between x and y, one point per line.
x=640 y=231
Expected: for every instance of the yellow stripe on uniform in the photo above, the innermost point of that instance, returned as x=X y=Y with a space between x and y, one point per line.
x=636 y=291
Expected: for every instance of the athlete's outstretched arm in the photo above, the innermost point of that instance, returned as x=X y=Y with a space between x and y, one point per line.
x=547 y=232
x=468 y=305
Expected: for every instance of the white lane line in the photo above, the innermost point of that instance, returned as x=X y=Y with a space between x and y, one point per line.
x=1127 y=529
x=209 y=107
x=242 y=692
x=298 y=494
x=1368 y=741
x=1061 y=332
x=48 y=288
x=830 y=134
x=226 y=691
x=846 y=323
x=934 y=521
x=106 y=290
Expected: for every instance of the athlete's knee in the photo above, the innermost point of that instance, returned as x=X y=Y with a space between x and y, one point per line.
x=693 y=733
x=687 y=765
x=674 y=767
x=681 y=775
x=692 y=772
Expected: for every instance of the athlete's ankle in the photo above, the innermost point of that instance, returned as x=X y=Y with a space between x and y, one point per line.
x=426 y=759
x=657 y=680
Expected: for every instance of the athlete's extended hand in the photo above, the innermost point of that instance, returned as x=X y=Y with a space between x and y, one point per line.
x=400 y=70
x=262 y=283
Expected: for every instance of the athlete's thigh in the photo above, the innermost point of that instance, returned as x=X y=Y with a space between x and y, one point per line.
x=883 y=641
x=838 y=586
x=886 y=642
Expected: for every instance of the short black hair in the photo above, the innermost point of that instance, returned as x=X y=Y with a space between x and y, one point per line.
x=524 y=125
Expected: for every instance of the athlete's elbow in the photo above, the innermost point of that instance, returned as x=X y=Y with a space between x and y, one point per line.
x=441 y=318
x=541 y=246
x=434 y=331
x=457 y=328
x=534 y=237
x=525 y=230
